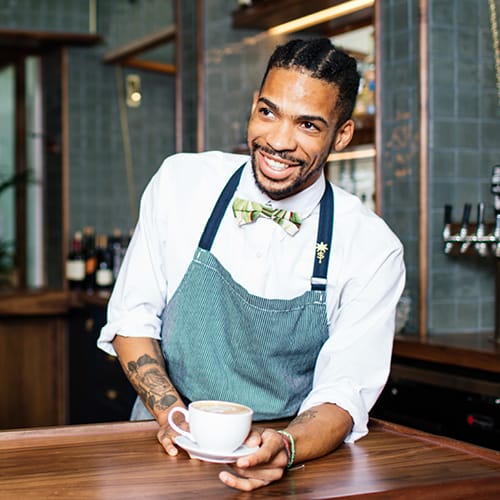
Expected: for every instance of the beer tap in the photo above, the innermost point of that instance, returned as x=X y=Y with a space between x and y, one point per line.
x=481 y=245
x=485 y=239
x=448 y=245
x=462 y=234
x=496 y=236
x=495 y=190
x=495 y=187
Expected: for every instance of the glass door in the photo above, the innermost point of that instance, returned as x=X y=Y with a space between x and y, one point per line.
x=21 y=174
x=7 y=177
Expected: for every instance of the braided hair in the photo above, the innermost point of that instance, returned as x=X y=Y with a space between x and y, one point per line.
x=321 y=59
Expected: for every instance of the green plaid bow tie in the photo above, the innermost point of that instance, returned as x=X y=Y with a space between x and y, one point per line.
x=248 y=211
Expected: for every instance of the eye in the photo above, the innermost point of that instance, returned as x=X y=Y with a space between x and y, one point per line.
x=310 y=126
x=266 y=112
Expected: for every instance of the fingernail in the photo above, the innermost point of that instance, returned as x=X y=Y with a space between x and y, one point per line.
x=226 y=478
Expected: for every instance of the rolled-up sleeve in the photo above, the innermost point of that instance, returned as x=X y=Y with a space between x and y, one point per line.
x=354 y=363
x=138 y=297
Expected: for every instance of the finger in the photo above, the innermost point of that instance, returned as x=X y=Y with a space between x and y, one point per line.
x=166 y=440
x=271 y=453
x=241 y=483
x=253 y=439
x=261 y=460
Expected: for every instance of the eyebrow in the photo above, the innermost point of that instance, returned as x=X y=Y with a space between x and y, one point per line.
x=305 y=118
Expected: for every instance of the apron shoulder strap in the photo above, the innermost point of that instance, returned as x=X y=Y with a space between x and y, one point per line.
x=324 y=240
x=214 y=221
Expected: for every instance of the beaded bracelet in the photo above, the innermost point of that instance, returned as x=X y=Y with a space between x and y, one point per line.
x=289 y=446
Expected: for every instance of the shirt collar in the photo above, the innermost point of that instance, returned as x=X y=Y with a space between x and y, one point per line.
x=303 y=202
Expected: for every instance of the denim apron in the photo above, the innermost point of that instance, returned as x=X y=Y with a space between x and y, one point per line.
x=221 y=342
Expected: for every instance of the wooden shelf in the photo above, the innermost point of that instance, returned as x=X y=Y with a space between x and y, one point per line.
x=25 y=303
x=16 y=43
x=475 y=351
x=126 y=55
x=264 y=14
x=31 y=39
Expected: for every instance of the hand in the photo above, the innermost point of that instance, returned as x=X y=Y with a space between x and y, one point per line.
x=261 y=468
x=166 y=434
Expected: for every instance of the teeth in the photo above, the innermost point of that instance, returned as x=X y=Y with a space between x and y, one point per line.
x=276 y=165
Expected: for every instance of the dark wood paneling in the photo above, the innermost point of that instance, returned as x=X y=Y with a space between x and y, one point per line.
x=33 y=371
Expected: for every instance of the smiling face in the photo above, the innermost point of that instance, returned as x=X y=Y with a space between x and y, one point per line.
x=292 y=130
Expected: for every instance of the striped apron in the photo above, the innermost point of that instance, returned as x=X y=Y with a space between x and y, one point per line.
x=221 y=342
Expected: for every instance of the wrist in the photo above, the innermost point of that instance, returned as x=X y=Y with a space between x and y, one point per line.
x=162 y=417
x=289 y=444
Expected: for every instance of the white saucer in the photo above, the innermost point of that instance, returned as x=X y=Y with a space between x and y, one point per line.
x=212 y=456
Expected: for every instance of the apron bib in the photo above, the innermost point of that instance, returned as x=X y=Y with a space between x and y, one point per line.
x=221 y=342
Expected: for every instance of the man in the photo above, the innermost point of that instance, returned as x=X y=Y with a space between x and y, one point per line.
x=294 y=316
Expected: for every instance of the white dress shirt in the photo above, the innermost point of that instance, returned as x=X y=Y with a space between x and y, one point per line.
x=365 y=276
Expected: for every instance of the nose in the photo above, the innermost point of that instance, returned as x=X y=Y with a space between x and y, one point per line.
x=281 y=137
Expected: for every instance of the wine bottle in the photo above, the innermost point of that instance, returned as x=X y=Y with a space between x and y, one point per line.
x=115 y=243
x=75 y=263
x=90 y=258
x=104 y=272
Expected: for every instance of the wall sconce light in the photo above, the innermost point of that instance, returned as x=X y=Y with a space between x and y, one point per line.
x=322 y=16
x=133 y=91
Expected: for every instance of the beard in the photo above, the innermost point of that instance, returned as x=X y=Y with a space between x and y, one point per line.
x=282 y=190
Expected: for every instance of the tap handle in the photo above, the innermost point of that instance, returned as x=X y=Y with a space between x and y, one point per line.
x=480 y=215
x=495 y=187
x=466 y=215
x=447 y=214
x=495 y=180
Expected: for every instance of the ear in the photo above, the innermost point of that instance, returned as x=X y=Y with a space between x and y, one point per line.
x=344 y=135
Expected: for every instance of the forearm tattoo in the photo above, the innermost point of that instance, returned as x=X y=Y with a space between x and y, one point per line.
x=150 y=381
x=305 y=417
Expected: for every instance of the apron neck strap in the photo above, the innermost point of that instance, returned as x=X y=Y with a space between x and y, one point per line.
x=214 y=221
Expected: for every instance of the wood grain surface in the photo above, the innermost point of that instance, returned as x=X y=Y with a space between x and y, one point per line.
x=125 y=461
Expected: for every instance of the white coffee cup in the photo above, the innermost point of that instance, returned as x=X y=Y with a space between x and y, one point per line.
x=216 y=426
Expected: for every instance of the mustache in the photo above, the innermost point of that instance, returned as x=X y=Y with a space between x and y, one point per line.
x=272 y=152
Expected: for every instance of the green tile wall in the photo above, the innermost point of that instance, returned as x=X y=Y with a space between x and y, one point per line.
x=189 y=75
x=464 y=144
x=99 y=185
x=235 y=61
x=400 y=132
x=45 y=15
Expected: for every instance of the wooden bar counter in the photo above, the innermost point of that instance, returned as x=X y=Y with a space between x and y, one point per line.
x=125 y=461
x=466 y=350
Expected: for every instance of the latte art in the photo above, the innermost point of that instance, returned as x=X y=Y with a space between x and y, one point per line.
x=221 y=408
